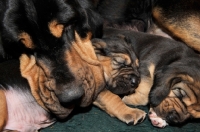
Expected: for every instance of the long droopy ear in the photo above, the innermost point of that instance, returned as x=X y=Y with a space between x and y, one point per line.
x=163 y=82
x=99 y=46
x=38 y=81
x=31 y=72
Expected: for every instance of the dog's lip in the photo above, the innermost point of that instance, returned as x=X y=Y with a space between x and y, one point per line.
x=68 y=111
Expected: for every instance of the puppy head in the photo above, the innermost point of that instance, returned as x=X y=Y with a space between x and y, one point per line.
x=119 y=62
x=174 y=96
x=51 y=36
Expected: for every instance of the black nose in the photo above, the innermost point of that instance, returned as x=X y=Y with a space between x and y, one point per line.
x=134 y=81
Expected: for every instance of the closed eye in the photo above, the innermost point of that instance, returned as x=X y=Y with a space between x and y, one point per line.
x=117 y=64
x=179 y=92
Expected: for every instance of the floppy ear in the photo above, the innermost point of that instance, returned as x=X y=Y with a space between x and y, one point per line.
x=38 y=83
x=99 y=46
x=163 y=82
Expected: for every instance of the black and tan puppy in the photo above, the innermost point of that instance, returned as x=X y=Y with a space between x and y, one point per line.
x=169 y=72
x=120 y=66
x=181 y=20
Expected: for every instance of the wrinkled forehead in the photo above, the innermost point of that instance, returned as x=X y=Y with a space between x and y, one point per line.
x=172 y=109
x=119 y=44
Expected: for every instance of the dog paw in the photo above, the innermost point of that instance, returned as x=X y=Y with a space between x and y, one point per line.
x=134 y=116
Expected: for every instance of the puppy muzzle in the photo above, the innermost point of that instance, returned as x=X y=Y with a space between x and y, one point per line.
x=155 y=120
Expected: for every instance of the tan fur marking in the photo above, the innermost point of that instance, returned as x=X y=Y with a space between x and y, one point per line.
x=39 y=83
x=140 y=97
x=151 y=70
x=25 y=38
x=85 y=49
x=186 y=30
x=3 y=110
x=113 y=105
x=87 y=38
x=30 y=71
x=186 y=78
x=56 y=29
x=156 y=13
x=194 y=110
x=137 y=62
x=85 y=66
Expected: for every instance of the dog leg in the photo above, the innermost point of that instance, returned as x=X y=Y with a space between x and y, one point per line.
x=185 y=29
x=113 y=105
x=3 y=110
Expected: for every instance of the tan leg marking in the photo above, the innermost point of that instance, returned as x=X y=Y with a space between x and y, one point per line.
x=187 y=30
x=113 y=105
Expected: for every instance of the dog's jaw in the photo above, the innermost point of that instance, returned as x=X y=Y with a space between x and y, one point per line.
x=156 y=120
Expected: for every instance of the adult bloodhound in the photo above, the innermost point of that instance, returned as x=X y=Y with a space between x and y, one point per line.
x=180 y=19
x=49 y=65
x=51 y=39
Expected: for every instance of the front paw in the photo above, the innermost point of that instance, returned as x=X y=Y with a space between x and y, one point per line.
x=133 y=116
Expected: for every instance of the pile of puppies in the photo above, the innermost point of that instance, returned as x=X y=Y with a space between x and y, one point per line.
x=169 y=69
x=58 y=54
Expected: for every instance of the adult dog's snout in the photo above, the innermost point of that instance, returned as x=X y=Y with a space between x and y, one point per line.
x=70 y=94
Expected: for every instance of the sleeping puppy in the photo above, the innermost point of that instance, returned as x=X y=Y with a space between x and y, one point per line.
x=180 y=19
x=120 y=66
x=169 y=72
